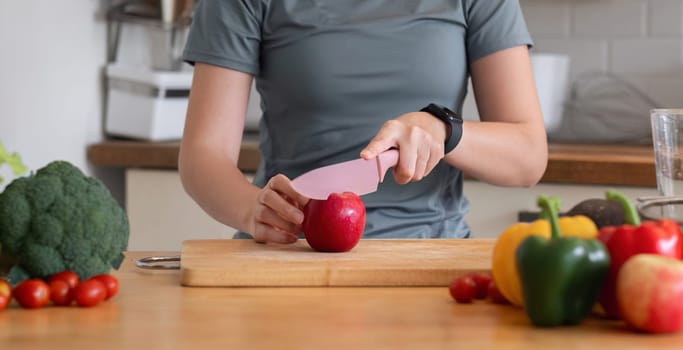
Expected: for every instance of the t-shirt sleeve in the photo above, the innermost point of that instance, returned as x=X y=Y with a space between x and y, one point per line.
x=494 y=25
x=226 y=33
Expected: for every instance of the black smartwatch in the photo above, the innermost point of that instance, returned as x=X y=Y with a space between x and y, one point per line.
x=452 y=119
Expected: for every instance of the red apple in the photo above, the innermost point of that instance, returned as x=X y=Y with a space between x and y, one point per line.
x=4 y=301
x=5 y=288
x=649 y=293
x=5 y=294
x=335 y=224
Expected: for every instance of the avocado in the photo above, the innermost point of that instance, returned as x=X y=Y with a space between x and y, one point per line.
x=603 y=212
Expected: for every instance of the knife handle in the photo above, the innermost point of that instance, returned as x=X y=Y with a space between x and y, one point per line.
x=386 y=160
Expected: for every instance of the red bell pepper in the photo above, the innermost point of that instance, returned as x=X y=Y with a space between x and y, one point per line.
x=661 y=237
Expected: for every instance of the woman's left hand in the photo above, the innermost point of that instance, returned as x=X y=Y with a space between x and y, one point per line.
x=419 y=137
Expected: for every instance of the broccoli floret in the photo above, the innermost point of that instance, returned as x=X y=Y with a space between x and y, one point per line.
x=60 y=219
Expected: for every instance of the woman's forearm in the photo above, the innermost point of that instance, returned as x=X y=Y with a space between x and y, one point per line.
x=503 y=154
x=219 y=187
x=509 y=146
x=210 y=146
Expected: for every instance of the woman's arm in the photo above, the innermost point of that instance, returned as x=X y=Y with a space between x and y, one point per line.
x=509 y=146
x=209 y=152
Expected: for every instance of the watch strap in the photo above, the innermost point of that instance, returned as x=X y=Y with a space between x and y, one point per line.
x=452 y=119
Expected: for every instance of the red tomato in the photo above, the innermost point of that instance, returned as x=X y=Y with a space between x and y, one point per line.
x=495 y=295
x=32 y=293
x=463 y=289
x=4 y=300
x=482 y=280
x=60 y=292
x=90 y=293
x=70 y=277
x=110 y=283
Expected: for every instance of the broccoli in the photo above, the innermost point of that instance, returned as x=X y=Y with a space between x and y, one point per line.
x=60 y=219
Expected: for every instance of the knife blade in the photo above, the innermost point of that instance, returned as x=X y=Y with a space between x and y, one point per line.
x=361 y=176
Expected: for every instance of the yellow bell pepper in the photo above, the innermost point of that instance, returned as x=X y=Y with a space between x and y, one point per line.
x=578 y=226
x=504 y=266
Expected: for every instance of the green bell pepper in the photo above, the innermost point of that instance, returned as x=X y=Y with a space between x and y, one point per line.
x=561 y=277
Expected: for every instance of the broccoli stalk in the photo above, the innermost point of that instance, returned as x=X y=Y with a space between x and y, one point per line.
x=60 y=219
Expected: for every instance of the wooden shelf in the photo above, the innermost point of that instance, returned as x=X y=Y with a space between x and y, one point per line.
x=627 y=165
x=601 y=165
x=158 y=155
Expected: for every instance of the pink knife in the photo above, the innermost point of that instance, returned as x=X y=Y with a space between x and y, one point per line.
x=360 y=176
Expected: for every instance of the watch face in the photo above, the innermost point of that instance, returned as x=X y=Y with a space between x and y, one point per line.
x=452 y=115
x=443 y=113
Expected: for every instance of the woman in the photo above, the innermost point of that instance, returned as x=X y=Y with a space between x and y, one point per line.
x=341 y=79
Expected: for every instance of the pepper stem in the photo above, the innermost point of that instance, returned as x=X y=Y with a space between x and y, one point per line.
x=630 y=213
x=550 y=208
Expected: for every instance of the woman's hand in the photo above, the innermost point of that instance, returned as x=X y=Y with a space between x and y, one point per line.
x=419 y=137
x=277 y=214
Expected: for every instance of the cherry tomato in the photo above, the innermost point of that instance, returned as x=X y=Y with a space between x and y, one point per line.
x=463 y=289
x=110 y=283
x=60 y=292
x=90 y=293
x=32 y=293
x=482 y=280
x=4 y=300
x=70 y=277
x=495 y=295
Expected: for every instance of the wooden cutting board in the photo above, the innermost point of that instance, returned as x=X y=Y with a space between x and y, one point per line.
x=373 y=262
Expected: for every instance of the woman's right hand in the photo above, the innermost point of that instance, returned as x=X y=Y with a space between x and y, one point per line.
x=277 y=214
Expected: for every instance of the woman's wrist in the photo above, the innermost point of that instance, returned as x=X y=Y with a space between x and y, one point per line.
x=437 y=128
x=453 y=122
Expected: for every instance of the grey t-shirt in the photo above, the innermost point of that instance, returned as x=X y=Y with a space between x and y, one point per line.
x=331 y=72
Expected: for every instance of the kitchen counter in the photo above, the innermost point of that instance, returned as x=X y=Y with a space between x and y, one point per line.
x=567 y=163
x=152 y=311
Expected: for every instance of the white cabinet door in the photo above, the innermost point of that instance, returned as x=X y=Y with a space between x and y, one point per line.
x=162 y=215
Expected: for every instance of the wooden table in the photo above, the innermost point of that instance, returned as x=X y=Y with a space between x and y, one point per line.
x=152 y=311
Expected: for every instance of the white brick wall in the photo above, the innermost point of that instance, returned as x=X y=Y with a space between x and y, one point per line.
x=640 y=40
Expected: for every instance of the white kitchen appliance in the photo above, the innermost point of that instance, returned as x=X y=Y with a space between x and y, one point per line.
x=151 y=105
x=146 y=104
